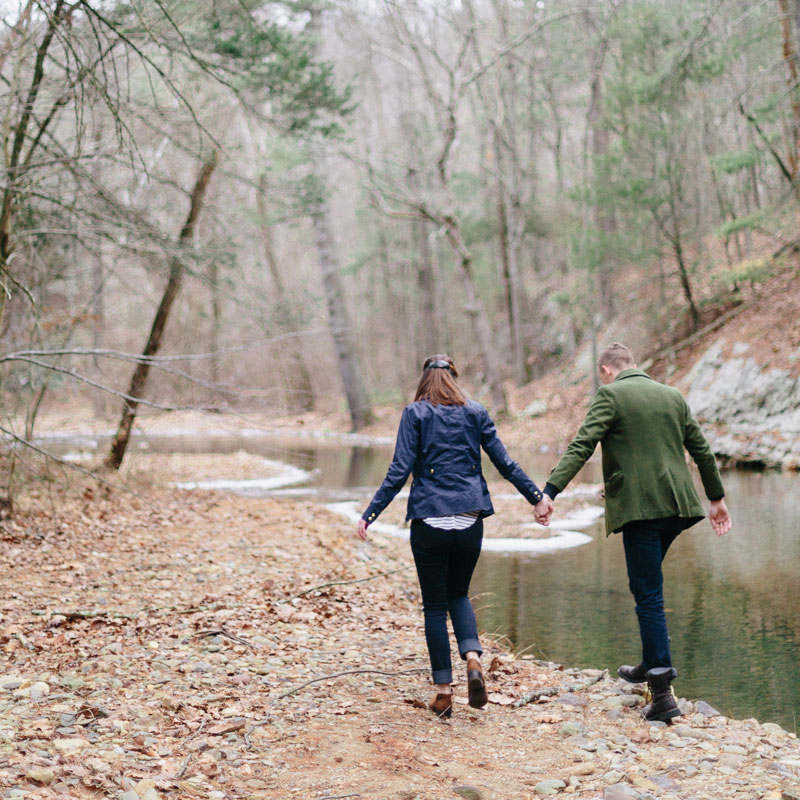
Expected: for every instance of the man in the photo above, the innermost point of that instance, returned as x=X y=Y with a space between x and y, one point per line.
x=643 y=427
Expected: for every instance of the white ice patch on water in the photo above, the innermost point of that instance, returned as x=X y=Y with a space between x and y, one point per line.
x=561 y=541
x=286 y=476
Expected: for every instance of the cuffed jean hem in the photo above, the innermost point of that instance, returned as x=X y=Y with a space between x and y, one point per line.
x=469 y=645
x=443 y=676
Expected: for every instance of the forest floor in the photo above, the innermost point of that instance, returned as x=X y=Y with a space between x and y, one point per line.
x=201 y=645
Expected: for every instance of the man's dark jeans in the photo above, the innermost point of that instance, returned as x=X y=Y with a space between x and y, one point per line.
x=445 y=561
x=646 y=543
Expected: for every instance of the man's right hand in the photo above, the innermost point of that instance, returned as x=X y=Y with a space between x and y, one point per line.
x=720 y=517
x=543 y=510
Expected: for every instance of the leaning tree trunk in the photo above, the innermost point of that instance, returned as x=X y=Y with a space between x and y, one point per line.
x=140 y=374
x=338 y=316
x=792 y=63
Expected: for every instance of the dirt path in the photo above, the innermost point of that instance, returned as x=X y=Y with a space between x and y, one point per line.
x=177 y=645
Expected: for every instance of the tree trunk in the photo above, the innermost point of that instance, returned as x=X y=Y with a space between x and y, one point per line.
x=16 y=163
x=140 y=374
x=98 y=326
x=677 y=246
x=604 y=219
x=301 y=382
x=429 y=327
x=508 y=233
x=216 y=320
x=338 y=316
x=792 y=74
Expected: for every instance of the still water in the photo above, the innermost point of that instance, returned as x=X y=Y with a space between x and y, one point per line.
x=733 y=603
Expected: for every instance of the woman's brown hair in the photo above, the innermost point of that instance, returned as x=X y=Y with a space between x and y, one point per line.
x=438 y=383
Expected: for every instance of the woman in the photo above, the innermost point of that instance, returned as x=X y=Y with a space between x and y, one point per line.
x=439 y=439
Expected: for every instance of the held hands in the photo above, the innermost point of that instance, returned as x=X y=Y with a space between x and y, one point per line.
x=720 y=517
x=543 y=510
x=361 y=530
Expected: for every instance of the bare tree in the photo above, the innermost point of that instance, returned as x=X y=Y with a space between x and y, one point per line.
x=138 y=382
x=338 y=315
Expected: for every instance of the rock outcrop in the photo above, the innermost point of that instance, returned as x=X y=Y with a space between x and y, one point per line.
x=751 y=413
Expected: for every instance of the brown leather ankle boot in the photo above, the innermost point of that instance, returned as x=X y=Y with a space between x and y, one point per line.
x=476 y=686
x=442 y=705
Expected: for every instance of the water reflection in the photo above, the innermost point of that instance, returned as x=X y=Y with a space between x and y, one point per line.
x=732 y=603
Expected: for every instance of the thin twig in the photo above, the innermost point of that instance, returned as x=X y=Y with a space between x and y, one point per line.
x=222 y=632
x=75 y=615
x=349 y=672
x=347 y=583
x=331 y=677
x=551 y=691
x=189 y=739
x=338 y=796
x=182 y=770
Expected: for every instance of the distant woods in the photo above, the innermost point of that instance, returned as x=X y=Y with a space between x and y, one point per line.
x=370 y=182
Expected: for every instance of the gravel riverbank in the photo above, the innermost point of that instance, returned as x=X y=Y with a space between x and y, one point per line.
x=194 y=644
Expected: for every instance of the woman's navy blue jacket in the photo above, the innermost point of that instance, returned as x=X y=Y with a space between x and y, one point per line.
x=441 y=445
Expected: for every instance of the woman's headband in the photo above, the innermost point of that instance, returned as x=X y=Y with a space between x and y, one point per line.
x=438 y=365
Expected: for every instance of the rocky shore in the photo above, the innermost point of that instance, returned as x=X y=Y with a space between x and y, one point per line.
x=193 y=644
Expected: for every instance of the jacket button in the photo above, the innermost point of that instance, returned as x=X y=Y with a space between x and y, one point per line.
x=431 y=472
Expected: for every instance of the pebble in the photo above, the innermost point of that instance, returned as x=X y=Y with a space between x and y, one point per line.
x=69 y=745
x=39 y=690
x=686 y=707
x=630 y=700
x=129 y=795
x=551 y=786
x=569 y=729
x=570 y=699
x=45 y=776
x=620 y=791
x=701 y=707
x=645 y=783
x=735 y=749
x=615 y=776
x=10 y=682
x=583 y=743
x=469 y=792
x=665 y=782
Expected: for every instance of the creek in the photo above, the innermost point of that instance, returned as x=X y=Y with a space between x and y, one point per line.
x=732 y=602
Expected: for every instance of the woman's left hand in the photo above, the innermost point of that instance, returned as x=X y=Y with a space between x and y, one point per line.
x=361 y=530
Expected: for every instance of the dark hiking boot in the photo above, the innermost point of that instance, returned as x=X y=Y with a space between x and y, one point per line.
x=637 y=674
x=476 y=686
x=662 y=707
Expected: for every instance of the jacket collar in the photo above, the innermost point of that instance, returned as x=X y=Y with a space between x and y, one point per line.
x=631 y=373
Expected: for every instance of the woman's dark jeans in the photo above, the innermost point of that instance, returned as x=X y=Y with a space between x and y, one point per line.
x=445 y=561
x=646 y=543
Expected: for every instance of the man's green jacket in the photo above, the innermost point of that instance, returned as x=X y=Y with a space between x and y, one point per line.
x=643 y=427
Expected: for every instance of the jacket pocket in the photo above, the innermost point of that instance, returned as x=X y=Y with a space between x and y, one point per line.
x=614 y=483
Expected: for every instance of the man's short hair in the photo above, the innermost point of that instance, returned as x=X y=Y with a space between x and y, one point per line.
x=616 y=356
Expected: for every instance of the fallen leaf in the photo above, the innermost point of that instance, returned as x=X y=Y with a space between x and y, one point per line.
x=227 y=727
